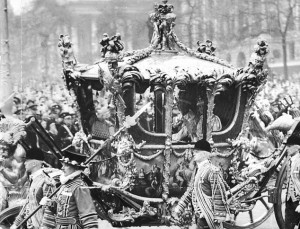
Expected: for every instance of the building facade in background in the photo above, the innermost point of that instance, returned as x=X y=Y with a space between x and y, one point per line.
x=234 y=26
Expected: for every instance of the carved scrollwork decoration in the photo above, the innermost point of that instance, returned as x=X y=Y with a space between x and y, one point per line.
x=160 y=80
x=240 y=149
x=216 y=82
x=253 y=76
x=183 y=77
x=125 y=155
x=130 y=75
x=148 y=158
x=139 y=55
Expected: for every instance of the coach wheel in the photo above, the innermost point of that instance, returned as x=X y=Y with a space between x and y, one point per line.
x=253 y=218
x=281 y=191
x=7 y=216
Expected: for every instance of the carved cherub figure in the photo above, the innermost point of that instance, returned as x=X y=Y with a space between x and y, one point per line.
x=259 y=56
x=104 y=43
x=111 y=46
x=66 y=51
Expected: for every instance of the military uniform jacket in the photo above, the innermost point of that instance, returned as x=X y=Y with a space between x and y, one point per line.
x=73 y=207
x=207 y=194
x=39 y=187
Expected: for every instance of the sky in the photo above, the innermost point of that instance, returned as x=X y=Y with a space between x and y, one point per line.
x=20 y=6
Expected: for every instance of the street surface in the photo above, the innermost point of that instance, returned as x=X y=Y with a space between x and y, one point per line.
x=269 y=224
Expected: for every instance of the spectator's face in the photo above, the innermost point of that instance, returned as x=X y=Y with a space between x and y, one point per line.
x=68 y=120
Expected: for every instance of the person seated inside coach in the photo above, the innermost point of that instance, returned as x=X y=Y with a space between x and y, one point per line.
x=191 y=127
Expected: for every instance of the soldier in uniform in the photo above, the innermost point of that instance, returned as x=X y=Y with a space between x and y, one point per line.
x=206 y=191
x=73 y=207
x=41 y=184
x=65 y=132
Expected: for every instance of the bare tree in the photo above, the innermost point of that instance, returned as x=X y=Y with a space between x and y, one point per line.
x=256 y=17
x=282 y=12
x=33 y=36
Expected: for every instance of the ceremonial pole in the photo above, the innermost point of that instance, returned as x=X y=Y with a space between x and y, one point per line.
x=5 y=78
x=129 y=121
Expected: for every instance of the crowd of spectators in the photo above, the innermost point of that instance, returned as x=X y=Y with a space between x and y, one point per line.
x=54 y=107
x=276 y=90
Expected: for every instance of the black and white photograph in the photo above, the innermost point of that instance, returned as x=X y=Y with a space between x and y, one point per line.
x=150 y=114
